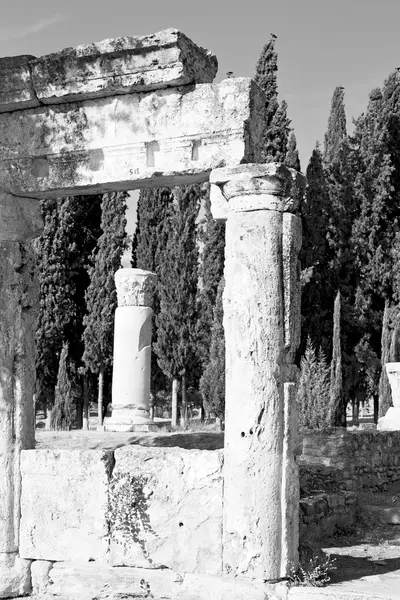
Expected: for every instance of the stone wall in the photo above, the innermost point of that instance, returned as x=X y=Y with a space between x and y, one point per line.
x=364 y=459
x=324 y=515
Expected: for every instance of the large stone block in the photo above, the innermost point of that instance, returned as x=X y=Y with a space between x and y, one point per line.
x=115 y=66
x=166 y=137
x=70 y=581
x=15 y=575
x=166 y=509
x=16 y=87
x=120 y=66
x=64 y=504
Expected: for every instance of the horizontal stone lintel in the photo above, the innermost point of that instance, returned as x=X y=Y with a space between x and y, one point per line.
x=167 y=137
x=114 y=66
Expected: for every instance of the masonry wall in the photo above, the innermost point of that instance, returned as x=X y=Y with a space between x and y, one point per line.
x=364 y=459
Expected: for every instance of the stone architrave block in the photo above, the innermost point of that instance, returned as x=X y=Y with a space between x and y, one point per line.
x=166 y=509
x=64 y=504
x=122 y=65
x=165 y=137
x=16 y=87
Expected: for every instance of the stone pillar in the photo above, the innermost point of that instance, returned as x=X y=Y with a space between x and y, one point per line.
x=132 y=352
x=20 y=222
x=391 y=421
x=262 y=328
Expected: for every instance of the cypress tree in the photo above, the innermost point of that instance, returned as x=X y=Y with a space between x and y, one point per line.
x=211 y=271
x=385 y=394
x=70 y=233
x=178 y=279
x=338 y=405
x=292 y=159
x=315 y=256
x=276 y=122
x=101 y=298
x=212 y=382
x=340 y=164
x=337 y=130
x=61 y=416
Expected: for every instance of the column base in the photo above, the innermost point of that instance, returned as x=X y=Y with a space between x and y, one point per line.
x=144 y=426
x=391 y=421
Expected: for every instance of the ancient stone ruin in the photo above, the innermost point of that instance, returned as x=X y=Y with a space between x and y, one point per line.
x=118 y=115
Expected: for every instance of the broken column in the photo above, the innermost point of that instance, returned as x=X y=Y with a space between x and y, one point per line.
x=132 y=351
x=20 y=222
x=262 y=326
x=391 y=421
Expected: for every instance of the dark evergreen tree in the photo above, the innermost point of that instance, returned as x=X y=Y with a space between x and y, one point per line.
x=101 y=298
x=61 y=416
x=212 y=382
x=276 y=122
x=211 y=271
x=337 y=129
x=149 y=243
x=72 y=226
x=292 y=159
x=178 y=279
x=315 y=256
x=337 y=401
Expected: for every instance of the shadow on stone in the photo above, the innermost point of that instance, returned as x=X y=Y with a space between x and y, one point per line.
x=188 y=441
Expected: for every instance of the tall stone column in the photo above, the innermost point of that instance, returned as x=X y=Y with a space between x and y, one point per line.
x=20 y=222
x=262 y=326
x=132 y=352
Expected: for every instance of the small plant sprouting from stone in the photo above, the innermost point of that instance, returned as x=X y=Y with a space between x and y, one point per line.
x=127 y=512
x=314 y=569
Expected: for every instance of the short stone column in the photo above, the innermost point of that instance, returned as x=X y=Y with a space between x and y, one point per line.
x=391 y=421
x=132 y=352
x=262 y=327
x=20 y=222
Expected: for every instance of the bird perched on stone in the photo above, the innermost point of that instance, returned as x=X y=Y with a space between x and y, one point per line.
x=274 y=36
x=229 y=74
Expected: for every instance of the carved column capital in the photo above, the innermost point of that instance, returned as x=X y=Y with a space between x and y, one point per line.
x=250 y=187
x=135 y=287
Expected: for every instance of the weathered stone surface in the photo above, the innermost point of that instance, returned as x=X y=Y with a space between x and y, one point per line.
x=261 y=323
x=254 y=421
x=131 y=368
x=40 y=570
x=122 y=65
x=64 y=504
x=135 y=287
x=21 y=219
x=16 y=88
x=18 y=294
x=167 y=137
x=70 y=581
x=250 y=187
x=166 y=509
x=15 y=576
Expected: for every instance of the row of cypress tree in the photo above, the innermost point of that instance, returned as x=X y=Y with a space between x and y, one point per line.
x=77 y=254
x=351 y=244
